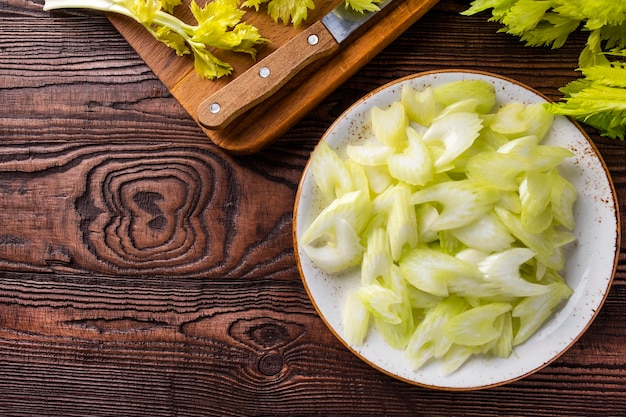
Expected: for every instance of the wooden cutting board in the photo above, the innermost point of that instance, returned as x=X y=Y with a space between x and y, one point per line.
x=260 y=126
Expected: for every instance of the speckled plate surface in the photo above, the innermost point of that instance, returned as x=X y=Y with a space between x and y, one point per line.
x=590 y=267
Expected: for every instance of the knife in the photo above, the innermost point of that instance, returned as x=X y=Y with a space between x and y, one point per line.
x=321 y=39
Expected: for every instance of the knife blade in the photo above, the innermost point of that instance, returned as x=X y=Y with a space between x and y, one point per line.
x=321 y=39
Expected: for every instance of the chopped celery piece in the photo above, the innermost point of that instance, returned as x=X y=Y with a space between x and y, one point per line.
x=369 y=154
x=521 y=146
x=389 y=125
x=539 y=119
x=455 y=132
x=377 y=257
x=510 y=120
x=426 y=216
x=466 y=106
x=563 y=197
x=510 y=201
x=475 y=327
x=508 y=167
x=472 y=256
x=535 y=194
x=356 y=319
x=329 y=172
x=493 y=139
x=462 y=202
x=487 y=234
x=503 y=345
x=455 y=91
x=545 y=158
x=431 y=271
x=414 y=165
x=428 y=340
x=339 y=250
x=502 y=271
x=401 y=223
x=358 y=177
x=397 y=335
x=381 y=302
x=532 y=312
x=384 y=200
x=353 y=207
x=456 y=356
x=448 y=243
x=422 y=300
x=420 y=105
x=378 y=177
x=537 y=242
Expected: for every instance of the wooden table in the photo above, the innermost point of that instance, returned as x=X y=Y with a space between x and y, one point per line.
x=145 y=272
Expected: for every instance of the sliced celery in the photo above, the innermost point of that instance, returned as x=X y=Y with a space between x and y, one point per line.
x=532 y=312
x=397 y=335
x=428 y=340
x=537 y=242
x=426 y=216
x=356 y=320
x=378 y=178
x=521 y=146
x=381 y=302
x=414 y=165
x=431 y=271
x=337 y=251
x=545 y=158
x=487 y=234
x=563 y=197
x=401 y=223
x=353 y=207
x=503 y=345
x=458 y=218
x=509 y=168
x=389 y=125
x=369 y=154
x=329 y=172
x=358 y=177
x=456 y=356
x=422 y=300
x=377 y=258
x=462 y=202
x=539 y=119
x=455 y=132
x=419 y=104
x=502 y=272
x=475 y=327
x=510 y=120
x=535 y=194
x=456 y=91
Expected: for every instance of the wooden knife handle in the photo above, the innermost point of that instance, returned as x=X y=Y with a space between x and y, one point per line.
x=266 y=77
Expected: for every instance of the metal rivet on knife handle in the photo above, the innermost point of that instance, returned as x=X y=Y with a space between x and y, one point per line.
x=264 y=78
x=265 y=72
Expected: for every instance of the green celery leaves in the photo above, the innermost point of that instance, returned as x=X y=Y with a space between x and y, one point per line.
x=598 y=98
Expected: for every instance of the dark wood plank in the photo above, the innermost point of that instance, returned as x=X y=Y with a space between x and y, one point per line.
x=104 y=318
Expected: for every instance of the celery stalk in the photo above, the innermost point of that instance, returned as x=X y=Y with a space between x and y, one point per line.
x=218 y=26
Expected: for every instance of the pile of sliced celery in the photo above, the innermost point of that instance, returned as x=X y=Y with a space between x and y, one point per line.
x=457 y=217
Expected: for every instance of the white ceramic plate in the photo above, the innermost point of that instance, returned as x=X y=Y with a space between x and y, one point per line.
x=590 y=265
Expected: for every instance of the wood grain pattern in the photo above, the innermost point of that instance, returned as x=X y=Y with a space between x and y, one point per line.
x=270 y=119
x=105 y=181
